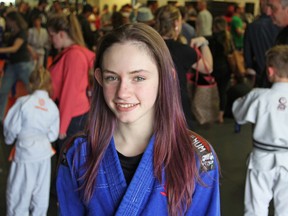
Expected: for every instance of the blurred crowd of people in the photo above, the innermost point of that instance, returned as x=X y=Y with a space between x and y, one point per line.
x=68 y=34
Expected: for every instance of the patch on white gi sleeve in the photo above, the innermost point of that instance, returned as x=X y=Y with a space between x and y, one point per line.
x=282 y=104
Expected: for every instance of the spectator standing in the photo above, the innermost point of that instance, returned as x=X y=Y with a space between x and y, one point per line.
x=37 y=11
x=117 y=19
x=238 y=27
x=2 y=29
x=204 y=20
x=153 y=5
x=19 y=65
x=187 y=30
x=88 y=35
x=267 y=170
x=259 y=36
x=94 y=19
x=229 y=14
x=105 y=17
x=69 y=73
x=191 y=14
x=277 y=9
x=168 y=23
x=56 y=8
x=23 y=10
x=145 y=15
x=33 y=121
x=39 y=41
x=220 y=45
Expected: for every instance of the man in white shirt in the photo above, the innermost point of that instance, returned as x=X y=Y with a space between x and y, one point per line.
x=204 y=20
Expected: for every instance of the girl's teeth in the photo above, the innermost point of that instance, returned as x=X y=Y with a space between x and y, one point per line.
x=126 y=105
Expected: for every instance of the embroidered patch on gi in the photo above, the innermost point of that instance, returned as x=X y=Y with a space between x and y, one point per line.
x=41 y=105
x=208 y=161
x=282 y=103
x=204 y=152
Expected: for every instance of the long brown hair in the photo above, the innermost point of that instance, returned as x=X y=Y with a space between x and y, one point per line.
x=69 y=24
x=173 y=147
x=221 y=25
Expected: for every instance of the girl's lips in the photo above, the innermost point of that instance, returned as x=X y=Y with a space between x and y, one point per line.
x=126 y=106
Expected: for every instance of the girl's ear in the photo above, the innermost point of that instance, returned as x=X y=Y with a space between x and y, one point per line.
x=98 y=76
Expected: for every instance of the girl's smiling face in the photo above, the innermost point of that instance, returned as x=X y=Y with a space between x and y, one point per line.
x=130 y=81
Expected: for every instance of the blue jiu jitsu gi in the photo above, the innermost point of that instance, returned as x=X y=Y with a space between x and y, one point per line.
x=143 y=196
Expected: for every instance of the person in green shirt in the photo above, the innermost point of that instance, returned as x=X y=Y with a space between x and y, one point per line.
x=238 y=28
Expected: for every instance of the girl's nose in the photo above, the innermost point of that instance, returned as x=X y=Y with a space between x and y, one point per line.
x=124 y=89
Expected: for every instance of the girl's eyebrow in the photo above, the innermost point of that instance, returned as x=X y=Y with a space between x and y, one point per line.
x=108 y=71
x=132 y=72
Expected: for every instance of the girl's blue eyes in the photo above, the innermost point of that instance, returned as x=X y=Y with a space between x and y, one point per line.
x=115 y=78
x=110 y=78
x=139 y=78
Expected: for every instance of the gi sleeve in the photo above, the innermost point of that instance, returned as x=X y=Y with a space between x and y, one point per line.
x=67 y=186
x=12 y=122
x=245 y=108
x=206 y=196
x=54 y=128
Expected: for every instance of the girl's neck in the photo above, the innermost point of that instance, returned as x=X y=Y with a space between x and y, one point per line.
x=132 y=140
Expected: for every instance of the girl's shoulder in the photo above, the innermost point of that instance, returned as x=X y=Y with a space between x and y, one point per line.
x=204 y=152
x=75 y=148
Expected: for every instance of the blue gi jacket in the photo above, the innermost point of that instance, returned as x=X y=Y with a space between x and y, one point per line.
x=143 y=196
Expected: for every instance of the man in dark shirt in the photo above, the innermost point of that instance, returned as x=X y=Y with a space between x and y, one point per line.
x=278 y=10
x=259 y=36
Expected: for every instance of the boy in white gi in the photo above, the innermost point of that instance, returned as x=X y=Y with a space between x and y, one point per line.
x=33 y=122
x=267 y=173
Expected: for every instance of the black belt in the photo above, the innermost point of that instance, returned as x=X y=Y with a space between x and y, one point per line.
x=268 y=147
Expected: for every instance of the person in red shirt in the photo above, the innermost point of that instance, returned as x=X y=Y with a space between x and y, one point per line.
x=69 y=73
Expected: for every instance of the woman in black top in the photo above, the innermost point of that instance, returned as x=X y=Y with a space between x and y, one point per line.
x=168 y=23
x=19 y=66
x=220 y=45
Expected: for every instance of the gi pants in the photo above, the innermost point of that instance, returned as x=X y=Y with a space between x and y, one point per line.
x=266 y=179
x=28 y=188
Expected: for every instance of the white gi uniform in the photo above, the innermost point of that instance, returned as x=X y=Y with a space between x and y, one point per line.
x=267 y=173
x=34 y=122
x=39 y=40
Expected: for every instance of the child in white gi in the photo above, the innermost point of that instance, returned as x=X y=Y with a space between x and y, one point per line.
x=38 y=39
x=267 y=173
x=34 y=123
